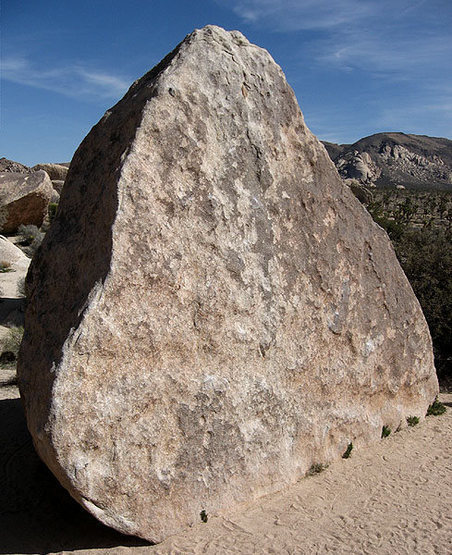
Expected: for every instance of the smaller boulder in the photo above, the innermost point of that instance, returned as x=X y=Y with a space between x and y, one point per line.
x=362 y=193
x=56 y=172
x=13 y=268
x=23 y=199
x=55 y=197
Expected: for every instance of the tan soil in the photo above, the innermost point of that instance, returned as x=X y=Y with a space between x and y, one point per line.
x=393 y=497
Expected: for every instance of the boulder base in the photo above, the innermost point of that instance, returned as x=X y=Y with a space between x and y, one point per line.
x=212 y=311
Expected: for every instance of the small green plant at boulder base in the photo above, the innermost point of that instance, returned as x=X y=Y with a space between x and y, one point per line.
x=203 y=516
x=385 y=431
x=52 y=210
x=348 y=451
x=316 y=468
x=412 y=420
x=436 y=408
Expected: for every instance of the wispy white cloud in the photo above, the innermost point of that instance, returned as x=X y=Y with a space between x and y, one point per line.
x=287 y=15
x=75 y=81
x=383 y=35
x=404 y=43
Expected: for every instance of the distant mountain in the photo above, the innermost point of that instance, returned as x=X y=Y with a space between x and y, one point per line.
x=395 y=159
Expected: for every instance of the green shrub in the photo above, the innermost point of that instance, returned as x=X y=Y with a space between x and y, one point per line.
x=27 y=234
x=385 y=431
x=30 y=239
x=52 y=210
x=412 y=420
x=11 y=344
x=203 y=516
x=436 y=408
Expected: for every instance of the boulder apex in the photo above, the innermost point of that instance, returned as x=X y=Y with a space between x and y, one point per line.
x=212 y=311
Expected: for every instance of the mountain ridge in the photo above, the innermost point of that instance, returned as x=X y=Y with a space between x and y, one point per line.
x=391 y=159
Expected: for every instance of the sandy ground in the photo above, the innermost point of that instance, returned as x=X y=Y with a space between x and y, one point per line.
x=394 y=497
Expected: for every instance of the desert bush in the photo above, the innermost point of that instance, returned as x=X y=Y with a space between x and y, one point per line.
x=436 y=408
x=412 y=420
x=52 y=210
x=30 y=239
x=11 y=344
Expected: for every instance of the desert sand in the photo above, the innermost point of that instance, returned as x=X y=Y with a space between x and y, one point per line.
x=392 y=497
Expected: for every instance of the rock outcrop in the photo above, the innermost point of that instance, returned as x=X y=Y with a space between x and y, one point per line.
x=56 y=172
x=212 y=311
x=23 y=199
x=13 y=268
x=57 y=184
x=396 y=159
x=11 y=166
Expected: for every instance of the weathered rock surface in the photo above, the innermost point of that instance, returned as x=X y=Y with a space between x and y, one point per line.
x=23 y=199
x=212 y=311
x=11 y=166
x=14 y=264
x=56 y=172
x=361 y=192
x=392 y=159
x=57 y=184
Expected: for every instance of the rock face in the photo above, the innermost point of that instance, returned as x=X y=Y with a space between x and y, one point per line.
x=11 y=166
x=16 y=264
x=57 y=184
x=392 y=159
x=212 y=311
x=23 y=199
x=56 y=172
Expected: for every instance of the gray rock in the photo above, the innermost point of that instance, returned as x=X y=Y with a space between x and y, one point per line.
x=55 y=171
x=362 y=193
x=212 y=311
x=14 y=266
x=57 y=184
x=11 y=166
x=23 y=199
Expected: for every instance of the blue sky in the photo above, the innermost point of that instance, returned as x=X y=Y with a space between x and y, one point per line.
x=357 y=66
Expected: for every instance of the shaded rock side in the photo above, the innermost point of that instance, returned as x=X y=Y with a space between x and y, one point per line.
x=23 y=199
x=212 y=311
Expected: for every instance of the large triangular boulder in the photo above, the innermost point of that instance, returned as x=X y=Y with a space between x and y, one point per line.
x=212 y=311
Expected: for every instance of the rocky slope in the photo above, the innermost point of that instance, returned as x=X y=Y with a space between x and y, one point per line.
x=394 y=159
